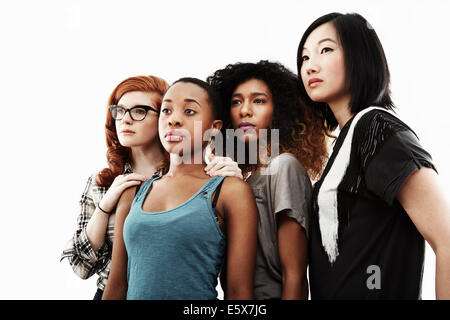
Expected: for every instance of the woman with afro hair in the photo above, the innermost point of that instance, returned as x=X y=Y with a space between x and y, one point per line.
x=262 y=101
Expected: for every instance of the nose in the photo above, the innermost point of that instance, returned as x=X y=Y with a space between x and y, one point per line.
x=246 y=109
x=311 y=67
x=174 y=120
x=127 y=117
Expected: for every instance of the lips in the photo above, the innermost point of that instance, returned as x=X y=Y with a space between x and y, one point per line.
x=314 y=82
x=173 y=136
x=246 y=126
x=127 y=132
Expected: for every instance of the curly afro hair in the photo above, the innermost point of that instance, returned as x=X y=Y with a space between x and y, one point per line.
x=301 y=130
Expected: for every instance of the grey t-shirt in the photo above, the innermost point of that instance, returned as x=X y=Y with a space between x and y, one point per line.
x=284 y=186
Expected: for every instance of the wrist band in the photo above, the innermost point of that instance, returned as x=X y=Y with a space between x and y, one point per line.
x=98 y=206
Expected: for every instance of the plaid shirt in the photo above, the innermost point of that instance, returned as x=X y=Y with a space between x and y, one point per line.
x=83 y=259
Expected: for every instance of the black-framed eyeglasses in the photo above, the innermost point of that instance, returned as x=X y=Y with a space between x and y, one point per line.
x=137 y=113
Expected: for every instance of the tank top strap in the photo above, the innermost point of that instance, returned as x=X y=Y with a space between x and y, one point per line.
x=212 y=185
x=145 y=187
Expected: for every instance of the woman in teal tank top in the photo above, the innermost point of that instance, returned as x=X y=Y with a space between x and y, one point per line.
x=171 y=240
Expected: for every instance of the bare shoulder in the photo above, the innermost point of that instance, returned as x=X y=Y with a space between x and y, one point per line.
x=236 y=196
x=124 y=204
x=238 y=204
x=128 y=195
x=235 y=186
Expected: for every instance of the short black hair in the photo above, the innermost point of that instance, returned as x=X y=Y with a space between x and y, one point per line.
x=366 y=67
x=213 y=96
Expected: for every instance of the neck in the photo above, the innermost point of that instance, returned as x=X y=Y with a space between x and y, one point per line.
x=145 y=160
x=178 y=167
x=258 y=153
x=341 y=110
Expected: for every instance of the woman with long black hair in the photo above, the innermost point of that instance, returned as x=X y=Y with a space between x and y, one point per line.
x=379 y=195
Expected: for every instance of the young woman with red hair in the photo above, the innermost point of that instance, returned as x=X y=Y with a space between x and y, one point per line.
x=134 y=155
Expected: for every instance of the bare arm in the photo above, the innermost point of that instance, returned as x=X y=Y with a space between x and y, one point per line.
x=423 y=199
x=116 y=287
x=97 y=225
x=96 y=229
x=241 y=222
x=292 y=248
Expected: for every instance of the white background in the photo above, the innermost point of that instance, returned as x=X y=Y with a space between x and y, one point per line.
x=61 y=59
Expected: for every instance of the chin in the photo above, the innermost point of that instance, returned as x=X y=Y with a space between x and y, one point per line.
x=248 y=138
x=178 y=148
x=317 y=97
x=127 y=142
x=173 y=149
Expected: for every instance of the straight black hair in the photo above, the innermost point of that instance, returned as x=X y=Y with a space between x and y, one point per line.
x=213 y=96
x=367 y=72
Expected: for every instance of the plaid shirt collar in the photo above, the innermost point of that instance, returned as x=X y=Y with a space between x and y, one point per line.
x=127 y=168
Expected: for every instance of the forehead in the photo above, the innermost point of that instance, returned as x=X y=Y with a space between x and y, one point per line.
x=133 y=98
x=324 y=31
x=185 y=90
x=252 y=85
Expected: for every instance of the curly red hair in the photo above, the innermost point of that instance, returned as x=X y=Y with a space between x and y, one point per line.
x=117 y=155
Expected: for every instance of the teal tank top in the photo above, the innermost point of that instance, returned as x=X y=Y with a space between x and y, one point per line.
x=174 y=254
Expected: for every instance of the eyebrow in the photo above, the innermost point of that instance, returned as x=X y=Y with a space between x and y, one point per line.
x=137 y=105
x=185 y=100
x=326 y=39
x=323 y=40
x=253 y=94
x=192 y=100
